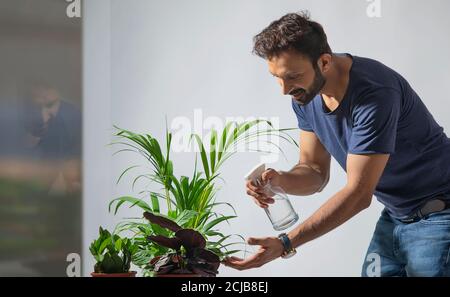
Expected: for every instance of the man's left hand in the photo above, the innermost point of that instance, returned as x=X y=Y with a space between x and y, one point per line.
x=270 y=249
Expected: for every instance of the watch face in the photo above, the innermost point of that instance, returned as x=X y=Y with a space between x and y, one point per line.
x=289 y=254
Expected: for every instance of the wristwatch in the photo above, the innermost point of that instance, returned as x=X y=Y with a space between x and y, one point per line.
x=289 y=251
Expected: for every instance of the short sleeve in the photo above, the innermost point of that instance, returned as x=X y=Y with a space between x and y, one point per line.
x=375 y=120
x=301 y=118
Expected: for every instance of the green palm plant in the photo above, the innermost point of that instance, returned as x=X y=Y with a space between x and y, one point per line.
x=189 y=201
x=223 y=146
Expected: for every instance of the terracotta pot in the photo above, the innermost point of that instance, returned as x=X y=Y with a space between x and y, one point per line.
x=125 y=274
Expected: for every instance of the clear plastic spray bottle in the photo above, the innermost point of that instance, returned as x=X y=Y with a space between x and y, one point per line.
x=281 y=213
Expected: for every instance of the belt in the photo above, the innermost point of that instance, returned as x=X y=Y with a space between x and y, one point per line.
x=432 y=206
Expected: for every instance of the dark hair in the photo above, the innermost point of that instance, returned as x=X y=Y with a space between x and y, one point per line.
x=292 y=31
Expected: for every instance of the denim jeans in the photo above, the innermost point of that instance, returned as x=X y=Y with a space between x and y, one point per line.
x=421 y=248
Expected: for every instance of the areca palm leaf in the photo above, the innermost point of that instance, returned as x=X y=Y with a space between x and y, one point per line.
x=135 y=201
x=232 y=135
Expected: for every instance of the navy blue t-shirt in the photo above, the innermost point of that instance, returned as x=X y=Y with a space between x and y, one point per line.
x=381 y=114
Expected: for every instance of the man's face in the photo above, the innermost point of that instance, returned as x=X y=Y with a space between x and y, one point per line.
x=297 y=76
x=44 y=107
x=47 y=100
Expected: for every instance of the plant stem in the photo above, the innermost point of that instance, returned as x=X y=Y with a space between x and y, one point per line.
x=169 y=207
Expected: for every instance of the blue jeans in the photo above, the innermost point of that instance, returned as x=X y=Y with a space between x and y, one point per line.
x=420 y=248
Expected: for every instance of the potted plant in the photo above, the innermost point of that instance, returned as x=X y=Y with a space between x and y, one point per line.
x=113 y=255
x=187 y=254
x=188 y=201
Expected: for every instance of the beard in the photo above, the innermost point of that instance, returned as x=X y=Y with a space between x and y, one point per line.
x=306 y=96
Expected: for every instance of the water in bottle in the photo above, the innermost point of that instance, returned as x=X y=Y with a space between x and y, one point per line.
x=281 y=213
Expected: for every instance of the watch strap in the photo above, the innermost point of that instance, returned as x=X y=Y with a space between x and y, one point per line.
x=285 y=241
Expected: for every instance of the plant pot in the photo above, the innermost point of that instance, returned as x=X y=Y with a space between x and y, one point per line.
x=125 y=274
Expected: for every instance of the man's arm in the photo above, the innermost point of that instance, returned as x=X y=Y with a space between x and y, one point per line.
x=309 y=176
x=312 y=172
x=364 y=172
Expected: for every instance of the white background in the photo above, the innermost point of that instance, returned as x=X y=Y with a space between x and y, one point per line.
x=144 y=60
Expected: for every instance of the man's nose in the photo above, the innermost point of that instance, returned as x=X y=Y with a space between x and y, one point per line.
x=285 y=88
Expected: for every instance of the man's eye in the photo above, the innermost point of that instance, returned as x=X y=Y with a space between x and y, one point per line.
x=292 y=77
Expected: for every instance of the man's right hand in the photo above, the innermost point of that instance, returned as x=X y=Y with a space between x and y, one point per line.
x=257 y=191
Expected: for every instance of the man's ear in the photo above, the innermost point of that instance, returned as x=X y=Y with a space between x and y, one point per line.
x=324 y=62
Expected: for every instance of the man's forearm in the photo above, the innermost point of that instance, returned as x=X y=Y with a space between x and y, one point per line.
x=302 y=180
x=341 y=207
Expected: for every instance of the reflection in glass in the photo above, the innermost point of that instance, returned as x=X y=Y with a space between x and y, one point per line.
x=40 y=137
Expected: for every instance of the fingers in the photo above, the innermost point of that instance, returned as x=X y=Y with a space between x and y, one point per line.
x=253 y=193
x=258 y=196
x=227 y=260
x=259 y=203
x=262 y=201
x=254 y=187
x=267 y=252
x=242 y=264
x=268 y=175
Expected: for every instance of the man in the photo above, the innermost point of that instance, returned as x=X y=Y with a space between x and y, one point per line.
x=53 y=132
x=372 y=122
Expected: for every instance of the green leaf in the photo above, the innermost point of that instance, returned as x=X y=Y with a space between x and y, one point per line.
x=216 y=221
x=202 y=155
x=125 y=171
x=172 y=214
x=219 y=242
x=155 y=202
x=224 y=203
x=135 y=201
x=213 y=150
x=168 y=164
x=148 y=176
x=118 y=244
x=212 y=233
x=185 y=216
x=104 y=244
x=227 y=253
x=224 y=139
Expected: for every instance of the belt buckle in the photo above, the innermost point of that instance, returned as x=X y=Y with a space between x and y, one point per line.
x=410 y=219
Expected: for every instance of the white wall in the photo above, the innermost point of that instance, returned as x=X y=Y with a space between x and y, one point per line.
x=147 y=59
x=97 y=185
